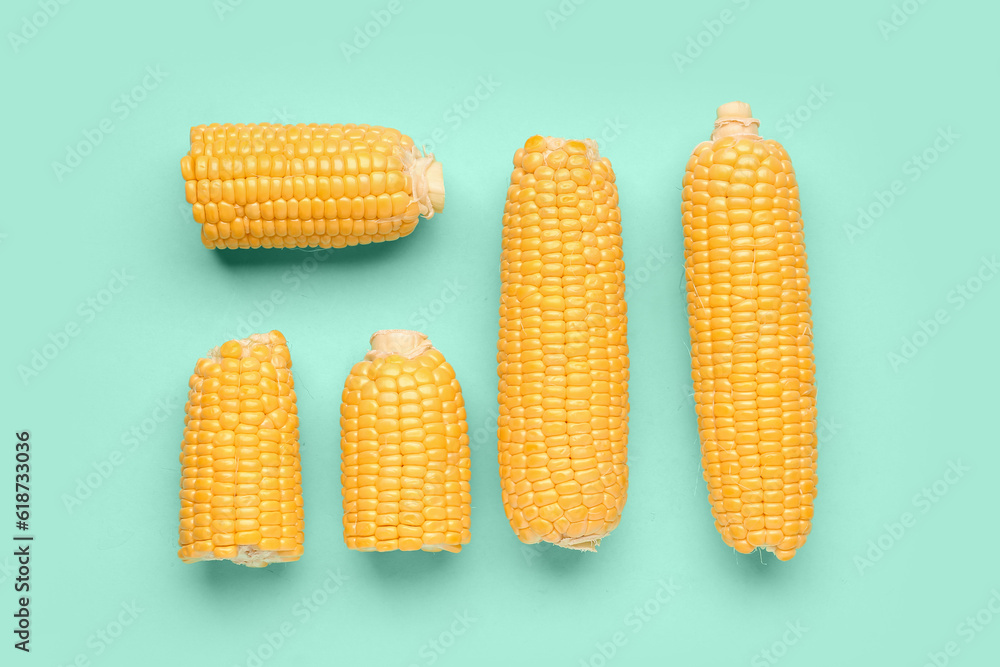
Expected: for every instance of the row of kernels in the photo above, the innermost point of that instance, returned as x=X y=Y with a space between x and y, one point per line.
x=368 y=134
x=307 y=152
x=243 y=191
x=227 y=129
x=325 y=241
x=356 y=164
x=285 y=230
x=371 y=208
x=548 y=180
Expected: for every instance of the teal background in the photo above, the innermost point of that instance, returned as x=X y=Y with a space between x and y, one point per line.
x=888 y=576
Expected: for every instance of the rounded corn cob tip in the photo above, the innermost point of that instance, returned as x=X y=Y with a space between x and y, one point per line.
x=404 y=449
x=435 y=185
x=428 y=182
x=406 y=343
x=547 y=145
x=734 y=119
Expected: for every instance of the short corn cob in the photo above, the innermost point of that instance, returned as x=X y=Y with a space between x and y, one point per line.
x=562 y=350
x=751 y=336
x=404 y=449
x=286 y=186
x=241 y=488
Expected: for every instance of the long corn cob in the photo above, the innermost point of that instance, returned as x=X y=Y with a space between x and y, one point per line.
x=404 y=449
x=751 y=336
x=241 y=487
x=562 y=350
x=284 y=186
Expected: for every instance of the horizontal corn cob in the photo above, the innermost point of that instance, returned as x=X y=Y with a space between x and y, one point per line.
x=404 y=449
x=751 y=336
x=562 y=350
x=326 y=186
x=241 y=485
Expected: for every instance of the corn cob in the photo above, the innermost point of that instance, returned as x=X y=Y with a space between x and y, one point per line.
x=751 y=336
x=404 y=449
x=241 y=486
x=562 y=350
x=285 y=186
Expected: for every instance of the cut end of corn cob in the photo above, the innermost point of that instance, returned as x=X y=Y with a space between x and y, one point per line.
x=562 y=352
x=403 y=342
x=544 y=146
x=428 y=184
x=435 y=185
x=751 y=336
x=734 y=119
x=404 y=449
x=297 y=186
x=241 y=493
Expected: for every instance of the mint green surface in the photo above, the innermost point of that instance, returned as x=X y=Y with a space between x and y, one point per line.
x=903 y=549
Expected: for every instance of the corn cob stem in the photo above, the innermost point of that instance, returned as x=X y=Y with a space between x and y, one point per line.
x=428 y=184
x=734 y=119
x=405 y=343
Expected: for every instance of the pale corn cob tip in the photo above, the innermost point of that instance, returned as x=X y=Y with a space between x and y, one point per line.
x=735 y=119
x=404 y=449
x=325 y=186
x=241 y=494
x=562 y=350
x=751 y=336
